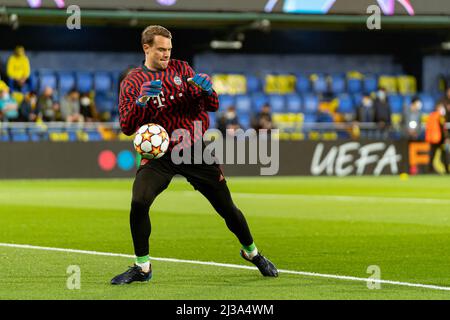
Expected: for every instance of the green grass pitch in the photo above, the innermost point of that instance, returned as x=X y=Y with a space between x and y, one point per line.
x=337 y=226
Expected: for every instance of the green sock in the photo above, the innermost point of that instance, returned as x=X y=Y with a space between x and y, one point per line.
x=143 y=259
x=249 y=248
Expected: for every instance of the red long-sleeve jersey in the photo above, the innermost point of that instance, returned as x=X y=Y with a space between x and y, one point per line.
x=178 y=106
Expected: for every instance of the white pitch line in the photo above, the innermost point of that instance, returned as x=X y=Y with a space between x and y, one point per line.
x=317 y=197
x=228 y=265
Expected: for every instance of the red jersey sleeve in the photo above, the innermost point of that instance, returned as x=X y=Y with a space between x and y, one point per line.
x=129 y=112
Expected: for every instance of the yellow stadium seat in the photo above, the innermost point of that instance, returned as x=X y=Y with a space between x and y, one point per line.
x=396 y=119
x=124 y=137
x=329 y=136
x=279 y=84
x=407 y=85
x=314 y=135
x=297 y=136
x=229 y=84
x=389 y=83
x=59 y=136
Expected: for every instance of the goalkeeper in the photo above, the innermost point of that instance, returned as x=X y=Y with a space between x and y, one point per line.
x=168 y=92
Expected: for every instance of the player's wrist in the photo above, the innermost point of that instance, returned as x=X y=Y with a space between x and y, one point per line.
x=142 y=101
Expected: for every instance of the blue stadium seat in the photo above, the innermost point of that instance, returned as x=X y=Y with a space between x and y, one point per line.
x=243 y=103
x=346 y=104
x=294 y=103
x=407 y=99
x=357 y=99
x=244 y=120
x=85 y=82
x=102 y=81
x=258 y=100
x=337 y=83
x=428 y=102
x=310 y=103
x=277 y=103
x=19 y=135
x=66 y=82
x=396 y=103
x=46 y=79
x=226 y=100
x=325 y=117
x=354 y=85
x=309 y=118
x=94 y=136
x=253 y=83
x=320 y=85
x=104 y=102
x=370 y=83
x=212 y=119
x=33 y=82
x=303 y=85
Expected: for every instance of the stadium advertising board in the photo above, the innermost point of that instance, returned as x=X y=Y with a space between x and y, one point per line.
x=118 y=159
x=389 y=7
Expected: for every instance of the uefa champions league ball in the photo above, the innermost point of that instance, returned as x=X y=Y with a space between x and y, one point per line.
x=151 y=141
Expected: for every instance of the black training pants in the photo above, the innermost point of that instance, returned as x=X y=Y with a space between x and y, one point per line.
x=154 y=177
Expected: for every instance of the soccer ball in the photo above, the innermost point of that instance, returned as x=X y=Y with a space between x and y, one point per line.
x=151 y=141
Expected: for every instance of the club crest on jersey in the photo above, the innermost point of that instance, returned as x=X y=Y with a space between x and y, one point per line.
x=177 y=80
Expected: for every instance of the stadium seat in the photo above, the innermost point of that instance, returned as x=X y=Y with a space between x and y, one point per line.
x=357 y=99
x=346 y=104
x=258 y=100
x=85 y=82
x=66 y=82
x=102 y=82
x=212 y=119
x=19 y=135
x=303 y=84
x=277 y=103
x=354 y=85
x=389 y=83
x=244 y=120
x=407 y=99
x=396 y=103
x=310 y=103
x=370 y=83
x=407 y=84
x=337 y=83
x=310 y=118
x=253 y=83
x=294 y=103
x=46 y=79
x=225 y=101
x=104 y=102
x=319 y=83
x=243 y=104
x=428 y=102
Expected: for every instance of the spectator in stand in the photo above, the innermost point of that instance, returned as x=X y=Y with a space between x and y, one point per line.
x=8 y=106
x=86 y=108
x=365 y=113
x=18 y=68
x=70 y=107
x=228 y=120
x=3 y=75
x=446 y=101
x=28 y=107
x=412 y=118
x=436 y=135
x=382 y=114
x=47 y=108
x=263 y=119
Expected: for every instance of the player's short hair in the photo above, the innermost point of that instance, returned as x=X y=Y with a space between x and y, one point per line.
x=148 y=35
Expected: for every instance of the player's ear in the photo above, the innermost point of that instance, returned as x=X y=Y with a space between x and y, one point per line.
x=146 y=48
